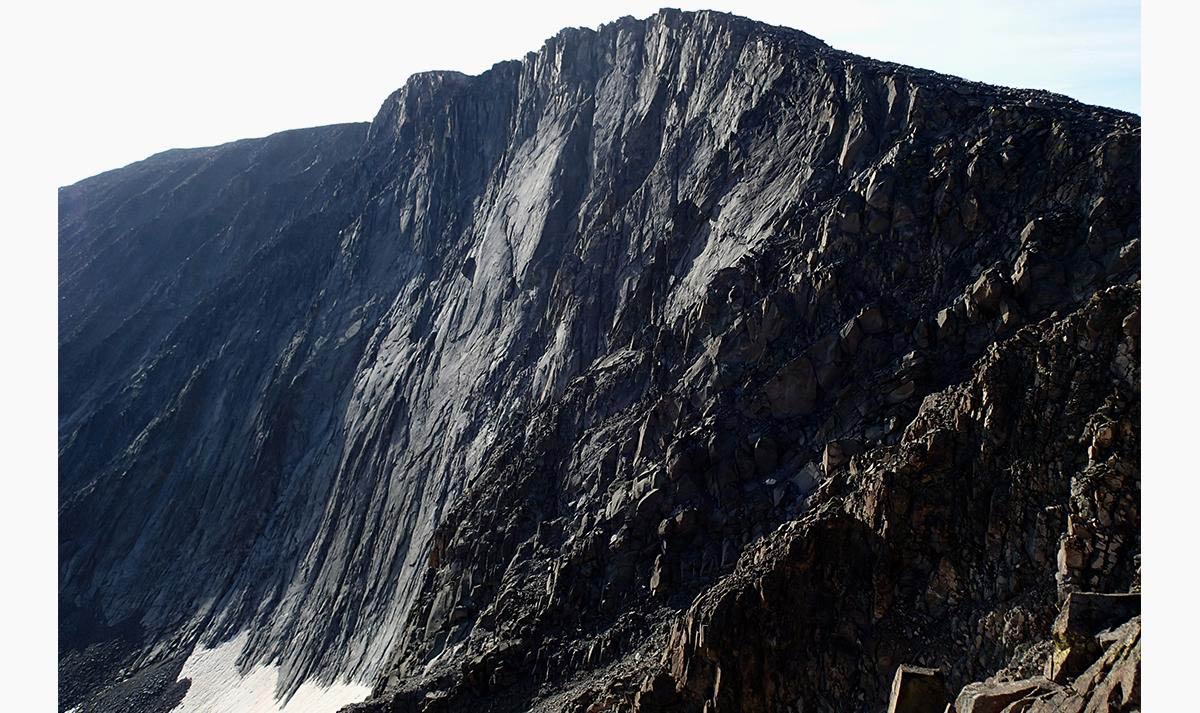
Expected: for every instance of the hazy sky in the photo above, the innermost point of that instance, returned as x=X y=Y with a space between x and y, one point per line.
x=137 y=78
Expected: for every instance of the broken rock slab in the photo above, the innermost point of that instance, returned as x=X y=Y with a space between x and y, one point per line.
x=918 y=690
x=1084 y=616
x=988 y=697
x=838 y=453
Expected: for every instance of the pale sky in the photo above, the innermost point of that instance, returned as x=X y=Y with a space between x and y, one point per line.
x=136 y=78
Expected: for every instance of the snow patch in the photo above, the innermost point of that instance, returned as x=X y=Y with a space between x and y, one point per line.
x=218 y=687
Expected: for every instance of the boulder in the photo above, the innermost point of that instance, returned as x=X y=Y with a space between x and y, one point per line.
x=990 y=697
x=871 y=320
x=879 y=192
x=1084 y=616
x=837 y=453
x=685 y=457
x=793 y=390
x=986 y=293
x=902 y=392
x=806 y=478
x=918 y=690
x=660 y=580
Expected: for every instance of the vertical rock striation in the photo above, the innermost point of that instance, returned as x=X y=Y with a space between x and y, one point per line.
x=684 y=364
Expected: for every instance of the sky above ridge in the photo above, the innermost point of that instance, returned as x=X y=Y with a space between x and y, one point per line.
x=135 y=78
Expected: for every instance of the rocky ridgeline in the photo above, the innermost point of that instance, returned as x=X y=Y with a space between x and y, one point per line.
x=685 y=365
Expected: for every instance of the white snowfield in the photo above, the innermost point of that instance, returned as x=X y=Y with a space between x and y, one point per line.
x=218 y=687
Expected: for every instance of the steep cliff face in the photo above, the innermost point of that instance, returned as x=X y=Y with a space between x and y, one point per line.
x=686 y=362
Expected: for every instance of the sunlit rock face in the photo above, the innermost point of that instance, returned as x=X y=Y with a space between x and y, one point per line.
x=684 y=364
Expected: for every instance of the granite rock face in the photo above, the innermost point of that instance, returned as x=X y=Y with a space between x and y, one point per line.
x=685 y=364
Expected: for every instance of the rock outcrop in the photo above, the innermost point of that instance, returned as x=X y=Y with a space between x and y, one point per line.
x=1108 y=679
x=687 y=364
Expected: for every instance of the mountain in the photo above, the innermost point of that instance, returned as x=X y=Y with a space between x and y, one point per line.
x=684 y=364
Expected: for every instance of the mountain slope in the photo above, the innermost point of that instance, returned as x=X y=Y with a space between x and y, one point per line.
x=485 y=400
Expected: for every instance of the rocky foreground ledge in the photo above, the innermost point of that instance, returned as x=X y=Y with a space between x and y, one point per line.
x=1092 y=663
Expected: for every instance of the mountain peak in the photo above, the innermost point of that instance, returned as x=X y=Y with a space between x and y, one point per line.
x=685 y=363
